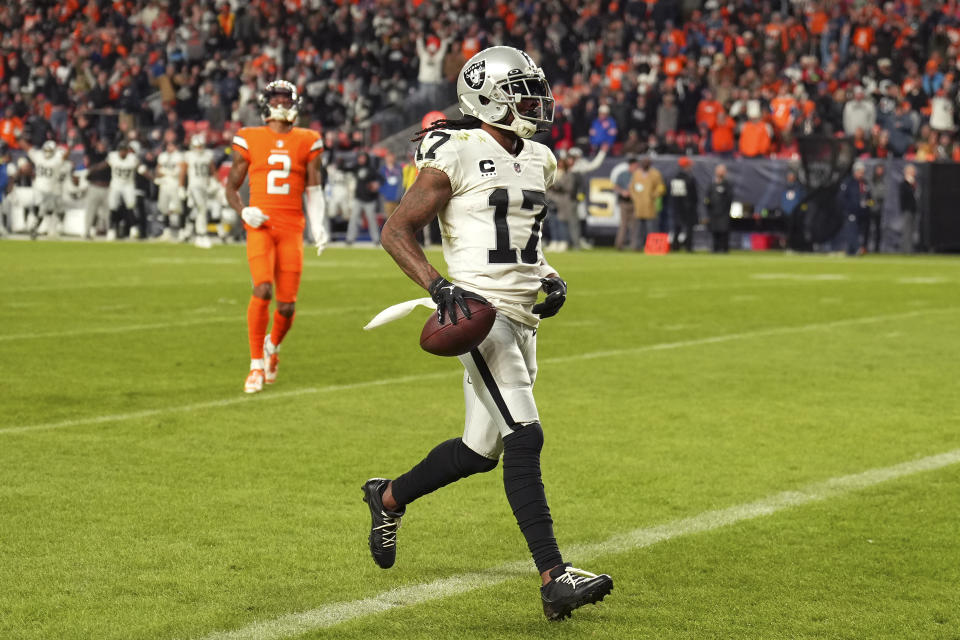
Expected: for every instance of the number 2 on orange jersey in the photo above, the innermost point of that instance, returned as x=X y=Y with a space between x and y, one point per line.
x=278 y=174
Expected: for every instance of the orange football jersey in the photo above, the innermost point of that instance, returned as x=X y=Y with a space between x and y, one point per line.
x=278 y=171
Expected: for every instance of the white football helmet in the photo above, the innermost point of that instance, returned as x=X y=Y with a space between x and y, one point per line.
x=280 y=112
x=494 y=83
x=198 y=141
x=49 y=148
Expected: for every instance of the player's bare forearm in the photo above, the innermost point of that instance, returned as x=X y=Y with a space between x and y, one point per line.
x=401 y=243
x=315 y=171
x=426 y=196
x=238 y=172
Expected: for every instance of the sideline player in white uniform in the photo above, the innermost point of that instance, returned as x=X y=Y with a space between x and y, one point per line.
x=171 y=176
x=488 y=182
x=124 y=164
x=341 y=185
x=50 y=169
x=8 y=176
x=200 y=169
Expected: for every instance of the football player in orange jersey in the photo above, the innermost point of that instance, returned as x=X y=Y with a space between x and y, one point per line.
x=284 y=164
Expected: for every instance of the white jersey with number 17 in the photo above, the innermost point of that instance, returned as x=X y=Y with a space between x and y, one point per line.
x=491 y=225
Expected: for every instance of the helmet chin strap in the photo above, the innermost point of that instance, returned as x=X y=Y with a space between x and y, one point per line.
x=519 y=125
x=282 y=114
x=523 y=127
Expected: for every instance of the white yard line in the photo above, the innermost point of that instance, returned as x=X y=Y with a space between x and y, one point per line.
x=338 y=613
x=760 y=333
x=147 y=283
x=237 y=317
x=662 y=346
x=226 y=402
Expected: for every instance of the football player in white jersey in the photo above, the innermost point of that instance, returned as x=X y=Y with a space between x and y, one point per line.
x=122 y=194
x=50 y=170
x=199 y=176
x=171 y=182
x=8 y=174
x=487 y=181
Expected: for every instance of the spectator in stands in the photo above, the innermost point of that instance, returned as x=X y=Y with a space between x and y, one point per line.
x=646 y=190
x=640 y=119
x=708 y=109
x=926 y=149
x=668 y=116
x=723 y=136
x=859 y=113
x=718 y=201
x=909 y=209
x=902 y=129
x=431 y=52
x=633 y=145
x=104 y=61
x=941 y=112
x=932 y=78
x=603 y=131
x=882 y=148
x=215 y=113
x=755 y=135
x=11 y=128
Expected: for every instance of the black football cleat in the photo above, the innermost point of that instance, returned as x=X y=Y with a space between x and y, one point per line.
x=383 y=523
x=571 y=588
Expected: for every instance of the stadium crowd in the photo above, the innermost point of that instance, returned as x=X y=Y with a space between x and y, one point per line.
x=741 y=78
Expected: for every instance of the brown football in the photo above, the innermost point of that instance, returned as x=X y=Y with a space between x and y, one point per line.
x=450 y=339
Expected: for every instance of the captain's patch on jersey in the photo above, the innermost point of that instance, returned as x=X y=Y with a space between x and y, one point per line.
x=487 y=168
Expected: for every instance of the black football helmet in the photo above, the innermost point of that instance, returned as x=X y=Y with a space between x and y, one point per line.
x=287 y=112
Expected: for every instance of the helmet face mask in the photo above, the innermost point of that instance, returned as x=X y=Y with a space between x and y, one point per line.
x=503 y=81
x=279 y=100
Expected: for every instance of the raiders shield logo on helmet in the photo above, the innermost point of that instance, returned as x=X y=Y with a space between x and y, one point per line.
x=476 y=74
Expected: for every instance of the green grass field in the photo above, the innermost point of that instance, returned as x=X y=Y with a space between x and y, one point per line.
x=142 y=495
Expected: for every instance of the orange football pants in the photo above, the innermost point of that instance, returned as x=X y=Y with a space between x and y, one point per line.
x=276 y=256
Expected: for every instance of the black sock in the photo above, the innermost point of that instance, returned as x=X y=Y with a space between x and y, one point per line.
x=521 y=480
x=448 y=462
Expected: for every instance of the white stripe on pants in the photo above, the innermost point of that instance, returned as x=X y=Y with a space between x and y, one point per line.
x=498 y=385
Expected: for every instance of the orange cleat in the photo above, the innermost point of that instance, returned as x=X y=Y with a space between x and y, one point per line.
x=273 y=360
x=254 y=383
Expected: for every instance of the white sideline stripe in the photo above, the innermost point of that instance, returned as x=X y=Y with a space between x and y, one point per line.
x=338 y=613
x=662 y=346
x=146 y=284
x=227 y=402
x=236 y=317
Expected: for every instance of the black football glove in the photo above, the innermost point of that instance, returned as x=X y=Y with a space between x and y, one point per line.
x=556 y=290
x=449 y=296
